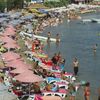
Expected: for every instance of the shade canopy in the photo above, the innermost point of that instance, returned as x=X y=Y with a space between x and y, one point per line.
x=18 y=64
x=7 y=39
x=10 y=56
x=20 y=70
x=29 y=77
x=11 y=45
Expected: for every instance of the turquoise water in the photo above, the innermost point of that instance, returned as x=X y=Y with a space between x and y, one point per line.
x=77 y=40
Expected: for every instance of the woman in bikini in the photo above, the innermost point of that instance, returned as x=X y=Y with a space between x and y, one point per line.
x=87 y=91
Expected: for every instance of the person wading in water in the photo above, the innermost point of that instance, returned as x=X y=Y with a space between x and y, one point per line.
x=75 y=66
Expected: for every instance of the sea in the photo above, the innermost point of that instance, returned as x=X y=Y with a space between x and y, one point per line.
x=77 y=40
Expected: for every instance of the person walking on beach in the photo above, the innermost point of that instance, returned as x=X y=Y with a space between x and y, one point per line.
x=87 y=91
x=75 y=66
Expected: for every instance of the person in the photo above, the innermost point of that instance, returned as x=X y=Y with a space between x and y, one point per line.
x=62 y=63
x=49 y=34
x=48 y=40
x=76 y=66
x=57 y=38
x=72 y=92
x=54 y=61
x=99 y=94
x=87 y=91
x=95 y=48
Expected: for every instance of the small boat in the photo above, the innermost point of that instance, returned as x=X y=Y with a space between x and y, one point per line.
x=86 y=20
x=95 y=20
x=37 y=36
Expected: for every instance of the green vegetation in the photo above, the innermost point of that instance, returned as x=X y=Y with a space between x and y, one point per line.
x=12 y=4
x=59 y=3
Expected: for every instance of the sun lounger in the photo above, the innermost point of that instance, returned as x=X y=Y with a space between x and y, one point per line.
x=61 y=92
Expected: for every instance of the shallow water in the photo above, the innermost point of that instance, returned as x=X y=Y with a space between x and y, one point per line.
x=77 y=40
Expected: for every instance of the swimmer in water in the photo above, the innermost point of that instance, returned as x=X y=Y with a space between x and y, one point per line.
x=95 y=48
x=57 y=38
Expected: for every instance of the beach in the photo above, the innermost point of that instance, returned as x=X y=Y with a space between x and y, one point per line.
x=77 y=39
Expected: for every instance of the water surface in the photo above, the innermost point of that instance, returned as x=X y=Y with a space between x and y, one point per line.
x=77 y=40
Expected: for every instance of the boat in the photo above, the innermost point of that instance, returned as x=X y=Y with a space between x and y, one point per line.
x=86 y=20
x=87 y=11
x=22 y=33
x=95 y=20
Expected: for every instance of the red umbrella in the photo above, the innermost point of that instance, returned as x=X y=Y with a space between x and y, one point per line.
x=7 y=39
x=10 y=56
x=11 y=45
x=29 y=77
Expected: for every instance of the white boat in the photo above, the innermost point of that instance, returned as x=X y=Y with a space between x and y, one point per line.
x=95 y=20
x=37 y=36
x=86 y=20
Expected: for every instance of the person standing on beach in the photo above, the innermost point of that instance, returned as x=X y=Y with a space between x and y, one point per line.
x=87 y=91
x=75 y=66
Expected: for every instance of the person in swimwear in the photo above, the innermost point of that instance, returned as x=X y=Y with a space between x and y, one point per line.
x=75 y=66
x=57 y=38
x=95 y=48
x=87 y=91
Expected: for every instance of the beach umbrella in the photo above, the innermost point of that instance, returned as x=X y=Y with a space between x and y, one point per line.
x=16 y=15
x=28 y=77
x=43 y=11
x=16 y=22
x=3 y=19
x=11 y=45
x=29 y=16
x=51 y=98
x=19 y=70
x=7 y=39
x=11 y=27
x=9 y=31
x=10 y=56
x=4 y=14
x=18 y=64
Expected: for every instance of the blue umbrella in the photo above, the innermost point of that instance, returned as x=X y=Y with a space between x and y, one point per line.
x=16 y=22
x=43 y=11
x=16 y=15
x=3 y=19
x=29 y=16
